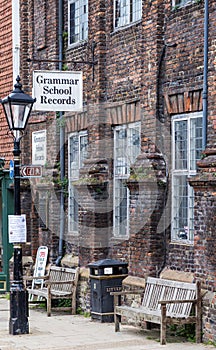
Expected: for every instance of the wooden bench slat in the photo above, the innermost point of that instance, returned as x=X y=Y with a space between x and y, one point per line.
x=61 y=284
x=165 y=302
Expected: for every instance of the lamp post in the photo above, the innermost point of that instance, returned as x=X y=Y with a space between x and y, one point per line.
x=17 y=108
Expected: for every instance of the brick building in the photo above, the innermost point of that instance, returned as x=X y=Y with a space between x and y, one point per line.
x=9 y=47
x=131 y=176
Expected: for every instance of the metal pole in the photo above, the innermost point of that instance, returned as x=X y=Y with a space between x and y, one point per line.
x=205 y=76
x=18 y=323
x=61 y=141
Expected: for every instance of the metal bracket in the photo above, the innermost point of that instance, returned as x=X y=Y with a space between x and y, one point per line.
x=90 y=63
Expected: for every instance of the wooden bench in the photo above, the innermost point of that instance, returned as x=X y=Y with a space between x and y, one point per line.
x=164 y=302
x=60 y=283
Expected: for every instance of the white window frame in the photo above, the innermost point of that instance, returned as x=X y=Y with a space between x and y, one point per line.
x=185 y=169
x=126 y=12
x=73 y=175
x=122 y=165
x=80 y=21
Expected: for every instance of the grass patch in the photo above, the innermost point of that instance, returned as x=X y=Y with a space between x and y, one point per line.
x=186 y=331
x=83 y=313
x=5 y=296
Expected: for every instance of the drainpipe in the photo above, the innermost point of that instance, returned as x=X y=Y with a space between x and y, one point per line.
x=62 y=137
x=16 y=38
x=205 y=76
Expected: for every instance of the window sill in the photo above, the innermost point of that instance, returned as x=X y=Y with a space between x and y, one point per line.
x=119 y=238
x=73 y=233
x=182 y=242
x=77 y=45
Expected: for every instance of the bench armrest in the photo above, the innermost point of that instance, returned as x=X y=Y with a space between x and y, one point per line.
x=137 y=291
x=31 y=278
x=59 y=282
x=117 y=295
x=177 y=301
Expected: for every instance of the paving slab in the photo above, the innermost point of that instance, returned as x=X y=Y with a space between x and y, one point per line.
x=75 y=332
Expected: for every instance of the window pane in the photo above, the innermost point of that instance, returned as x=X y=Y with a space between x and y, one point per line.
x=137 y=10
x=83 y=149
x=181 y=144
x=74 y=157
x=121 y=211
x=78 y=20
x=72 y=23
x=127 y=11
x=133 y=148
x=195 y=141
x=122 y=12
x=180 y=206
x=126 y=150
x=187 y=149
x=121 y=166
x=78 y=145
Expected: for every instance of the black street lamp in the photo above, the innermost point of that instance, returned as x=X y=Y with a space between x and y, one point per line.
x=17 y=108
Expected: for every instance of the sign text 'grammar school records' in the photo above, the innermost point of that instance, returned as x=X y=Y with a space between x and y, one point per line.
x=58 y=91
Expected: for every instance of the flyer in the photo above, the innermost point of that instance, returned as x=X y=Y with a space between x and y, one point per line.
x=17 y=228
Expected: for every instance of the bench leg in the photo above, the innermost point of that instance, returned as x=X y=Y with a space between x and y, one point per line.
x=73 y=304
x=198 y=310
x=117 y=319
x=198 y=326
x=48 y=307
x=163 y=325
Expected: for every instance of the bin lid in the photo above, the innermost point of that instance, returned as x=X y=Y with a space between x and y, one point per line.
x=107 y=263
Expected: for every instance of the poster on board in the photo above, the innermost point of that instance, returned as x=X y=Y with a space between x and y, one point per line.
x=17 y=228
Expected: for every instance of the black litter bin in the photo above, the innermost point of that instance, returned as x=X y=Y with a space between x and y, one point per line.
x=105 y=276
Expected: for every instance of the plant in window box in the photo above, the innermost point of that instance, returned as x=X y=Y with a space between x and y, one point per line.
x=148 y=170
x=96 y=182
x=99 y=190
x=97 y=187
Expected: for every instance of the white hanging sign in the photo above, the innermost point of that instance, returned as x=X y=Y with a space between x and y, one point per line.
x=39 y=141
x=58 y=91
x=17 y=228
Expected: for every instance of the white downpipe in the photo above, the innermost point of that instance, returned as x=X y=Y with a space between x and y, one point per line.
x=16 y=38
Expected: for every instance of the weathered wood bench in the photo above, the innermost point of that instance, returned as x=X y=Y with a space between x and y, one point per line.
x=59 y=283
x=164 y=302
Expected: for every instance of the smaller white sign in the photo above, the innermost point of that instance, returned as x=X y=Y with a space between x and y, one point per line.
x=108 y=271
x=39 y=141
x=40 y=265
x=17 y=228
x=58 y=91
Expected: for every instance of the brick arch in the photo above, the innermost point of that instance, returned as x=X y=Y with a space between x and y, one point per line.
x=189 y=101
x=78 y=121
x=124 y=113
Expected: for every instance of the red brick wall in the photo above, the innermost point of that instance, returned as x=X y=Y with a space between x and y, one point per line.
x=148 y=72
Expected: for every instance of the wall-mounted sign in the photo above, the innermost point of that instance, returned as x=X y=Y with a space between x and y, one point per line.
x=39 y=147
x=31 y=171
x=58 y=91
x=17 y=228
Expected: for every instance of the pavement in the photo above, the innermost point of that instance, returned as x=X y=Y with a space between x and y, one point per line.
x=62 y=331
